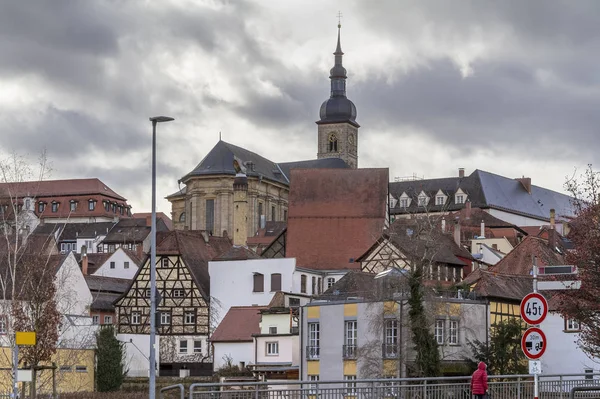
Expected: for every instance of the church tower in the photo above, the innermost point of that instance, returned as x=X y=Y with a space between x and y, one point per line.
x=338 y=130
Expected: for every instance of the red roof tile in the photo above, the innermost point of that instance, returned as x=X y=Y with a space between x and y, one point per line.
x=52 y=188
x=335 y=215
x=519 y=261
x=239 y=324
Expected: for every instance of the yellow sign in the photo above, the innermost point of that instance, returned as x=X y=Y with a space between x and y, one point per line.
x=25 y=337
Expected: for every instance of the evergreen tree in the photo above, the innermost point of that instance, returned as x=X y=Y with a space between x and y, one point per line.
x=503 y=354
x=110 y=370
x=427 y=361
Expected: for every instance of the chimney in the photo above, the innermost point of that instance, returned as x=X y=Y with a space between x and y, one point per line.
x=443 y=225
x=482 y=232
x=148 y=221
x=461 y=172
x=457 y=233
x=526 y=182
x=552 y=218
x=205 y=236
x=468 y=209
x=84 y=260
x=240 y=209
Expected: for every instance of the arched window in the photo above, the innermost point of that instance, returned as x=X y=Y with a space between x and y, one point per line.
x=333 y=143
x=182 y=217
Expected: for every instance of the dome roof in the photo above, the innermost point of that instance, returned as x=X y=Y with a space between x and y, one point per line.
x=337 y=109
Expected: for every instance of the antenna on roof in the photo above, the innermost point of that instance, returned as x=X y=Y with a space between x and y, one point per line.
x=219 y=135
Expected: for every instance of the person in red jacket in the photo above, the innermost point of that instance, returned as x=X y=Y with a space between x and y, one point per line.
x=479 y=384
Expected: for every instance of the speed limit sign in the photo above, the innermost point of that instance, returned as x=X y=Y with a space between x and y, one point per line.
x=534 y=308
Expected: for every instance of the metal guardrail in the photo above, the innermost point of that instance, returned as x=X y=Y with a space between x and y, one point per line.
x=584 y=389
x=181 y=388
x=500 y=387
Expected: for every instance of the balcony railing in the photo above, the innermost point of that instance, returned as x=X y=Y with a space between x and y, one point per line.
x=349 y=351
x=389 y=350
x=312 y=352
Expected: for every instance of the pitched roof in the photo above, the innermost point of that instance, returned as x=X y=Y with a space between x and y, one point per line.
x=519 y=261
x=32 y=244
x=219 y=161
x=433 y=244
x=95 y=261
x=132 y=230
x=32 y=271
x=475 y=216
x=52 y=188
x=159 y=215
x=72 y=231
x=239 y=324
x=107 y=284
x=104 y=301
x=485 y=190
x=264 y=237
x=335 y=215
x=237 y=252
x=353 y=284
x=196 y=248
x=490 y=284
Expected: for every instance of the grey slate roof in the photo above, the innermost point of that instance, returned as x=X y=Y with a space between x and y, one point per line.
x=107 y=284
x=219 y=161
x=485 y=190
x=132 y=231
x=104 y=301
x=72 y=231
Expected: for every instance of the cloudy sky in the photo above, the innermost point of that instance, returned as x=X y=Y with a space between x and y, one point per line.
x=510 y=87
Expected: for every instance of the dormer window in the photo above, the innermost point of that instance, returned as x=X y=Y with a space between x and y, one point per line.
x=404 y=200
x=91 y=204
x=460 y=197
x=72 y=205
x=423 y=199
x=41 y=206
x=393 y=201
x=27 y=204
x=54 y=206
x=440 y=200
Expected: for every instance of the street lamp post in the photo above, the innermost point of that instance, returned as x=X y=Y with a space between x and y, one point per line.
x=155 y=120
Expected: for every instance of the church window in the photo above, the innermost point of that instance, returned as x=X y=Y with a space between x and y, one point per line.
x=182 y=217
x=332 y=146
x=210 y=215
x=260 y=214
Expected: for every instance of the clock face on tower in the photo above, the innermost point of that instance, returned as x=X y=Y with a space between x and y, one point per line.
x=351 y=138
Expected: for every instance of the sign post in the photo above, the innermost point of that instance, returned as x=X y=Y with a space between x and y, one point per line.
x=533 y=343
x=25 y=338
x=534 y=308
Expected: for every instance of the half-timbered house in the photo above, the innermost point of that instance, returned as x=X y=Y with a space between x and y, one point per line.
x=183 y=319
x=409 y=241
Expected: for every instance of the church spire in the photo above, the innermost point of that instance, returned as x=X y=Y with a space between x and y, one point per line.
x=338 y=72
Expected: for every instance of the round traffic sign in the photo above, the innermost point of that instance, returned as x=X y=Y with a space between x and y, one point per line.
x=534 y=308
x=533 y=343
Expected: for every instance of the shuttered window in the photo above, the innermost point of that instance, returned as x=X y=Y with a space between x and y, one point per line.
x=259 y=283
x=275 y=282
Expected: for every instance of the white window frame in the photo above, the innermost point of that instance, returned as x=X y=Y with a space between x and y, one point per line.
x=391 y=331
x=272 y=348
x=273 y=330
x=165 y=318
x=3 y=324
x=459 y=198
x=403 y=202
x=312 y=388
x=453 y=327
x=183 y=347
x=189 y=318
x=422 y=200
x=136 y=317
x=573 y=325
x=197 y=346
x=108 y=319
x=440 y=200
x=350 y=333
x=73 y=206
x=330 y=282
x=95 y=319
x=439 y=331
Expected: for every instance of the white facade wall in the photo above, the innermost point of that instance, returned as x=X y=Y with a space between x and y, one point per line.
x=232 y=282
x=501 y=243
x=286 y=344
x=563 y=355
x=137 y=353
x=91 y=249
x=119 y=257
x=319 y=278
x=280 y=321
x=73 y=295
x=237 y=351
